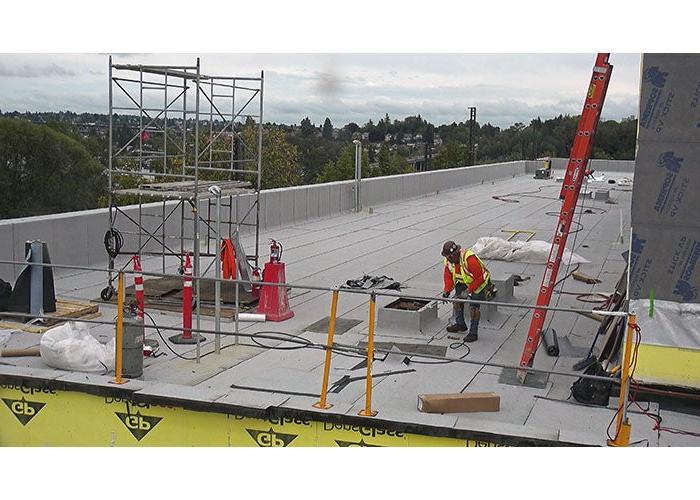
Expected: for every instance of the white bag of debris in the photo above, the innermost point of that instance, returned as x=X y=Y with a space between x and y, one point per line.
x=530 y=252
x=71 y=347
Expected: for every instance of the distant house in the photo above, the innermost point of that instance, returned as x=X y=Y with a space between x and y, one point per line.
x=365 y=136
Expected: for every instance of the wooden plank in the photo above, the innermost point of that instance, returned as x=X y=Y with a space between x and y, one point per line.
x=67 y=309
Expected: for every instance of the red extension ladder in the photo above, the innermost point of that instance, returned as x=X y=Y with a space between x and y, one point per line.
x=575 y=171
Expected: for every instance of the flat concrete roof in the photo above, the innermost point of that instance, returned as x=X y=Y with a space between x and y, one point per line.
x=402 y=240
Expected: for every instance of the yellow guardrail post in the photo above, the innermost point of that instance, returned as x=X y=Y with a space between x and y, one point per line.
x=623 y=428
x=323 y=405
x=367 y=412
x=119 y=332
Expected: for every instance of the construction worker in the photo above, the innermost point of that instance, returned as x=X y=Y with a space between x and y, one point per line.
x=467 y=275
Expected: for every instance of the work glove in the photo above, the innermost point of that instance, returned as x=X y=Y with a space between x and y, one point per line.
x=445 y=294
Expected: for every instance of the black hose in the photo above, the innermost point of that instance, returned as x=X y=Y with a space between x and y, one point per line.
x=114 y=241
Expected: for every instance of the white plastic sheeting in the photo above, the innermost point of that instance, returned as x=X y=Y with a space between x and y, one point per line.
x=530 y=252
x=71 y=347
x=672 y=324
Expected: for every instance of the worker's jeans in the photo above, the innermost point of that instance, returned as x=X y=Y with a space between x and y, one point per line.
x=462 y=292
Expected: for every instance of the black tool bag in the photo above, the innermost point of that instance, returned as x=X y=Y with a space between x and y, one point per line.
x=590 y=391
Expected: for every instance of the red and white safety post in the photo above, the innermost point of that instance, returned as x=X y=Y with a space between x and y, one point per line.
x=186 y=336
x=138 y=286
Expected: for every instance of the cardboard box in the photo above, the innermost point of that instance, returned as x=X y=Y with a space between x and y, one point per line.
x=459 y=403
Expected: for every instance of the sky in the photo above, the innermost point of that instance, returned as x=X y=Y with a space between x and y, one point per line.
x=505 y=88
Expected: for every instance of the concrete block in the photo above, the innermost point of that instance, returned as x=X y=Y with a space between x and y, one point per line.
x=505 y=284
x=406 y=321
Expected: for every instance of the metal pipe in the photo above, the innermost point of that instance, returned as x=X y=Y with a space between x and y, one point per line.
x=110 y=167
x=367 y=412
x=623 y=426
x=217 y=283
x=350 y=290
x=358 y=174
x=237 y=297
x=259 y=184
x=251 y=317
x=119 y=334
x=195 y=208
x=322 y=404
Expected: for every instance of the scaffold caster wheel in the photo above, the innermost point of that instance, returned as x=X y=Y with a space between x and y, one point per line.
x=107 y=293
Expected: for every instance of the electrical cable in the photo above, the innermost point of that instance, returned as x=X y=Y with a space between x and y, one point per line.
x=113 y=241
x=526 y=194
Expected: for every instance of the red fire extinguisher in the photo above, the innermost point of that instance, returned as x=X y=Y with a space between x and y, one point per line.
x=275 y=251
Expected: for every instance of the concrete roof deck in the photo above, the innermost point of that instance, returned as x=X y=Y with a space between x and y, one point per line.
x=402 y=240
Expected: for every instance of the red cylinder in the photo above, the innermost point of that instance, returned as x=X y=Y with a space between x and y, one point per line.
x=187 y=300
x=138 y=286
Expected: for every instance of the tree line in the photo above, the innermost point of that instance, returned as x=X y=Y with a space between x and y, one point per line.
x=56 y=162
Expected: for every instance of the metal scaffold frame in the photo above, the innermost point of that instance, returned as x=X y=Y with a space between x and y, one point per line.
x=171 y=146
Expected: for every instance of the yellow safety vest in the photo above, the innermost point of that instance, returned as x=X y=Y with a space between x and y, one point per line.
x=464 y=273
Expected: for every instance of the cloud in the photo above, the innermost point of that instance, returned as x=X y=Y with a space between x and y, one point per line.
x=505 y=88
x=34 y=71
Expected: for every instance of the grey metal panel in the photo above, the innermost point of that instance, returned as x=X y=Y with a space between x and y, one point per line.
x=347 y=197
x=273 y=207
x=287 y=204
x=313 y=203
x=301 y=196
x=334 y=199
x=324 y=200
x=70 y=241
x=7 y=252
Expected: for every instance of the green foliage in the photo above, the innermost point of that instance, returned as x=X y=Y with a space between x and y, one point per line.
x=344 y=168
x=452 y=154
x=44 y=171
x=280 y=159
x=327 y=132
x=390 y=163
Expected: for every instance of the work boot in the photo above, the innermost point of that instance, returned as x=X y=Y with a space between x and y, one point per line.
x=471 y=337
x=456 y=328
x=473 y=334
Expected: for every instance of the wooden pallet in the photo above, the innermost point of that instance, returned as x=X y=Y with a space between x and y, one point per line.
x=67 y=309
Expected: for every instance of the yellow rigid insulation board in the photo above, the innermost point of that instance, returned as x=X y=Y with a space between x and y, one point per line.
x=49 y=417
x=668 y=365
